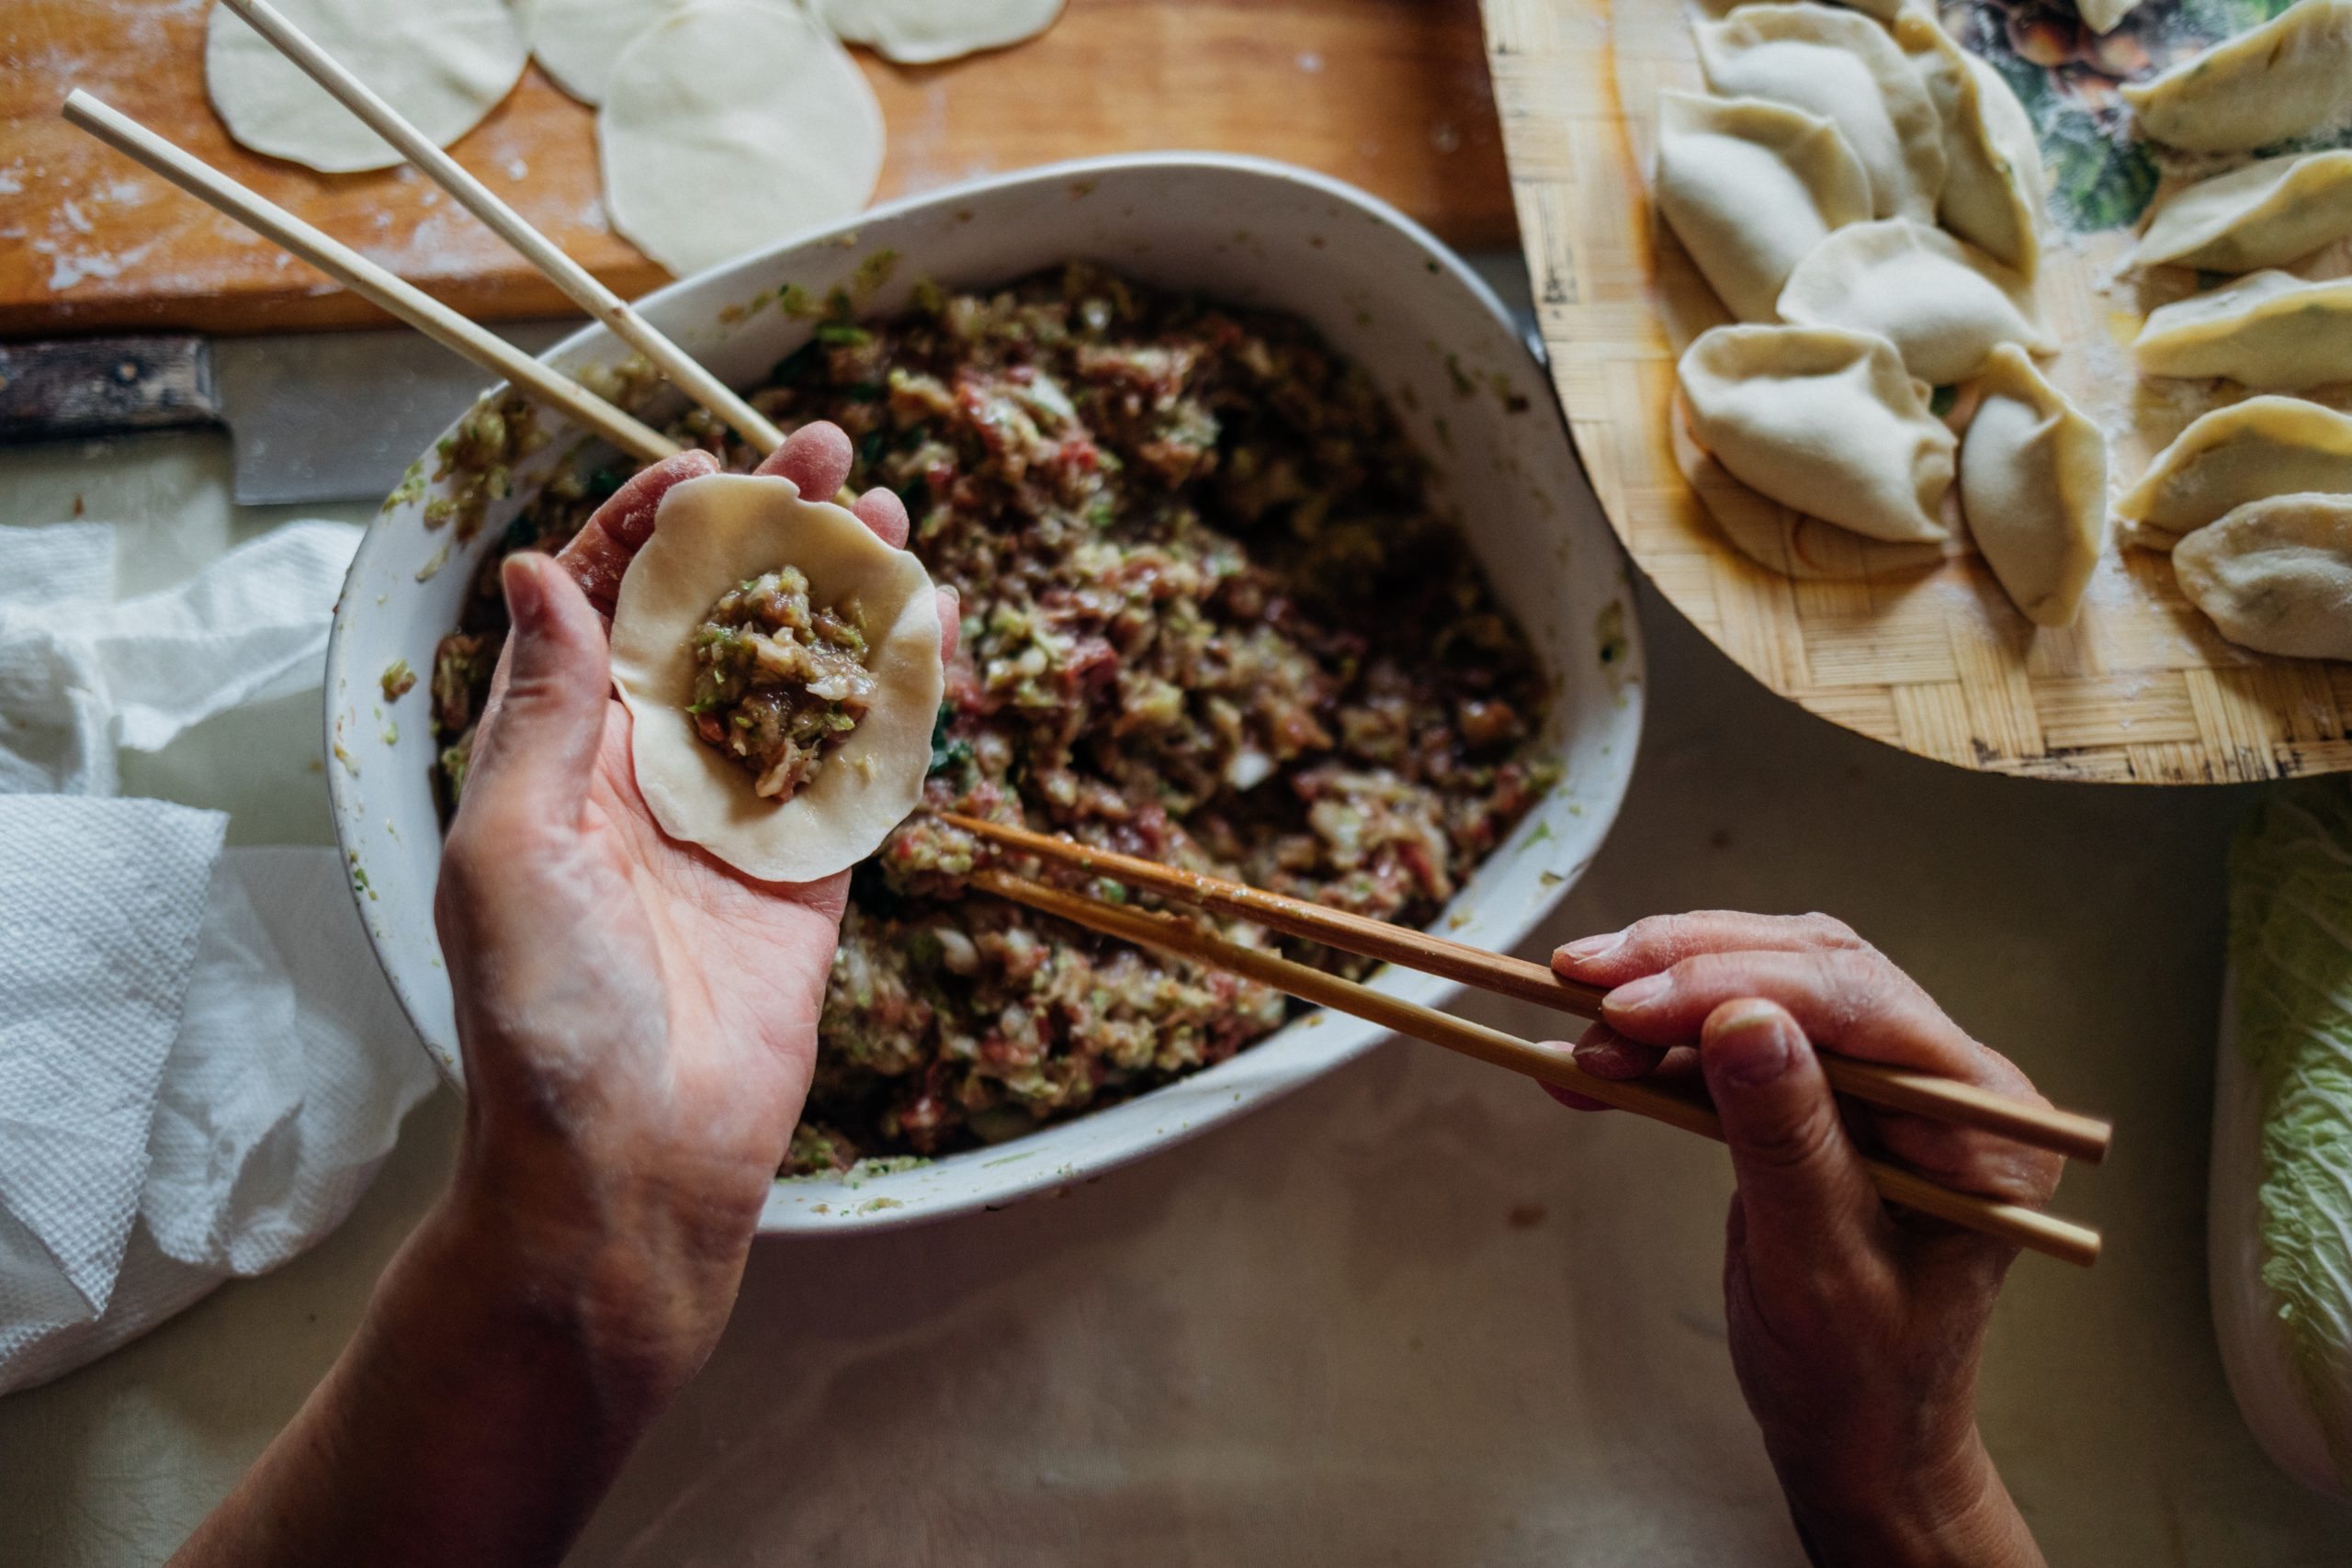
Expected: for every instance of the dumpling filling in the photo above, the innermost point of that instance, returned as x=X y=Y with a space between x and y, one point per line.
x=779 y=682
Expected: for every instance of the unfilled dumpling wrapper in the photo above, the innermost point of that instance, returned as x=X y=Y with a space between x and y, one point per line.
x=2270 y=329
x=2292 y=75
x=732 y=125
x=2276 y=575
x=710 y=535
x=1824 y=421
x=1841 y=65
x=1750 y=186
x=2265 y=214
x=578 y=42
x=923 y=32
x=2033 y=487
x=1942 y=303
x=1992 y=194
x=443 y=63
x=2261 y=448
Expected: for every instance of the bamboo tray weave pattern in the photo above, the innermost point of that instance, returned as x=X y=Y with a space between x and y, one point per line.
x=1931 y=657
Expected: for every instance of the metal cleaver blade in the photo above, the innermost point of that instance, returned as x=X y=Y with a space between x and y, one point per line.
x=313 y=417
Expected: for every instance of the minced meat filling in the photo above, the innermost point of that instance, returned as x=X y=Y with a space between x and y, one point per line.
x=778 y=682
x=1209 y=617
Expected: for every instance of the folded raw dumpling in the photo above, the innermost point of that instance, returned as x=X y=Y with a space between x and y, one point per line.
x=1750 y=185
x=2276 y=575
x=2033 y=487
x=1941 y=302
x=1840 y=65
x=1824 y=421
x=2262 y=446
x=2268 y=329
x=729 y=531
x=2263 y=215
x=1992 y=194
x=2287 y=77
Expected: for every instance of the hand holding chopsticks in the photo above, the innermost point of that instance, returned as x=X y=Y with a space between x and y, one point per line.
x=1916 y=1093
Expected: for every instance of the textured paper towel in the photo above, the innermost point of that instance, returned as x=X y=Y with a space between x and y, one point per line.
x=201 y=1064
x=99 y=900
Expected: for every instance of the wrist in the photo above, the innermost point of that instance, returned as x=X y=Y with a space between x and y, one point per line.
x=1950 y=1512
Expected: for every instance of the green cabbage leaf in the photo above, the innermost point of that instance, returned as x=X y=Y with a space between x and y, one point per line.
x=2291 y=944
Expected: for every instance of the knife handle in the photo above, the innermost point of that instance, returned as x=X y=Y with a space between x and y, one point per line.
x=73 y=389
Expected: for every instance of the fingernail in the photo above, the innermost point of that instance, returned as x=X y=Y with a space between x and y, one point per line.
x=1586 y=947
x=1752 y=1042
x=1640 y=993
x=526 y=596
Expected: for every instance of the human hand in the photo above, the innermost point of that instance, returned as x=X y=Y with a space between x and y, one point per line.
x=1856 y=1330
x=639 y=1020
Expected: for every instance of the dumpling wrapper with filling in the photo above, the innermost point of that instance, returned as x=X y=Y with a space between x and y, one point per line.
x=2292 y=75
x=1823 y=420
x=2033 y=487
x=2269 y=330
x=2260 y=447
x=1943 y=303
x=710 y=535
x=2270 y=212
x=1750 y=186
x=2276 y=575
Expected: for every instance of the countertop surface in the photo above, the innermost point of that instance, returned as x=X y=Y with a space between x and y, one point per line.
x=1415 y=1313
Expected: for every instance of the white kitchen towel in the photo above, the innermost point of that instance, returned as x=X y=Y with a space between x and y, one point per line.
x=200 y=1063
x=80 y=673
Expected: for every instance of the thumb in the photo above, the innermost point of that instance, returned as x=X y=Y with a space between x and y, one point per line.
x=1802 y=1187
x=540 y=736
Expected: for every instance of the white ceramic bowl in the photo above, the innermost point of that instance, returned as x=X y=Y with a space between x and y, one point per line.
x=1380 y=288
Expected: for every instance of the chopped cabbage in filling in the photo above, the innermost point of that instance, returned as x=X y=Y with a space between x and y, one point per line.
x=779 y=683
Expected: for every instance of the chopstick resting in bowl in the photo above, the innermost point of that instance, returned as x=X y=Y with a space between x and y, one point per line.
x=1919 y=1093
x=577 y=282
x=376 y=284
x=1925 y=1094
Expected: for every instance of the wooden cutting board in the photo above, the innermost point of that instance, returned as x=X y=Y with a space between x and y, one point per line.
x=1391 y=94
x=1934 y=659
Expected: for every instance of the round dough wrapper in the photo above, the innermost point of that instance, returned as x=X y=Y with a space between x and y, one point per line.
x=443 y=63
x=710 y=535
x=731 y=125
x=578 y=42
x=925 y=32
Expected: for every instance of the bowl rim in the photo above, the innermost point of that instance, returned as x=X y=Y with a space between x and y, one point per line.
x=347 y=811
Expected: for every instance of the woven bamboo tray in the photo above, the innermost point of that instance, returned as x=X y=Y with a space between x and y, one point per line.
x=1927 y=656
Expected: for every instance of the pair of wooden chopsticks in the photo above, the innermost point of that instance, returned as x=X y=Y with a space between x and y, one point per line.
x=1922 y=1094
x=403 y=299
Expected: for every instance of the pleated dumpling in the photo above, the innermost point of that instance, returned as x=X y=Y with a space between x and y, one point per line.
x=2260 y=447
x=2276 y=575
x=1751 y=186
x=2270 y=330
x=2265 y=214
x=1992 y=194
x=1942 y=303
x=2033 y=487
x=1824 y=421
x=2288 y=75
x=1841 y=65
